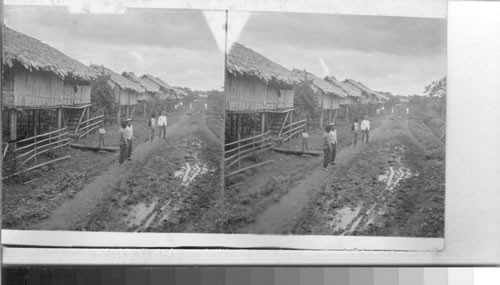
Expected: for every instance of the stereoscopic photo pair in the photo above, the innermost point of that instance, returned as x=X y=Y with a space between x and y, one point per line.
x=298 y=131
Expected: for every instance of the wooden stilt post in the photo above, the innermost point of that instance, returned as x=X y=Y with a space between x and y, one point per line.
x=238 y=138
x=119 y=115
x=329 y=116
x=87 y=109
x=347 y=113
x=144 y=106
x=13 y=124
x=262 y=122
x=321 y=119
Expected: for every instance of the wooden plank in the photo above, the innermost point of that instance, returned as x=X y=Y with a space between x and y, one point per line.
x=247 y=139
x=283 y=124
x=79 y=121
x=250 y=167
x=297 y=152
x=37 y=166
x=94 y=148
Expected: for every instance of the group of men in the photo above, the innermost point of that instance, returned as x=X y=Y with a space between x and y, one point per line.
x=330 y=139
x=127 y=135
x=160 y=123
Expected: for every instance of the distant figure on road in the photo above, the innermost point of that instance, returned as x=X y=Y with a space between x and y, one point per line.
x=162 y=123
x=327 y=147
x=123 y=143
x=407 y=111
x=333 y=142
x=355 y=131
x=102 y=131
x=365 y=129
x=152 y=126
x=305 y=135
x=129 y=134
x=205 y=106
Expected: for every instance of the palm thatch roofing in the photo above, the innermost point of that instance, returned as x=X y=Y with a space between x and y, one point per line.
x=117 y=79
x=358 y=88
x=180 y=93
x=242 y=61
x=318 y=83
x=34 y=55
x=148 y=85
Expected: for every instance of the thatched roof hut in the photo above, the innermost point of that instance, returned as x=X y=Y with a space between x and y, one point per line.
x=255 y=84
x=242 y=61
x=321 y=84
x=33 y=55
x=126 y=92
x=115 y=79
x=148 y=85
x=329 y=95
x=358 y=89
x=37 y=75
x=165 y=91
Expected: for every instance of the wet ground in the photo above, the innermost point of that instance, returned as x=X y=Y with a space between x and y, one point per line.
x=162 y=189
x=393 y=186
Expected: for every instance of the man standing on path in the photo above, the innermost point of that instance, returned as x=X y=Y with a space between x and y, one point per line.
x=129 y=135
x=333 y=142
x=152 y=126
x=162 y=123
x=123 y=143
x=365 y=129
x=355 y=131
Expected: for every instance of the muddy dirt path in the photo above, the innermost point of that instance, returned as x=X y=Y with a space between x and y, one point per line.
x=281 y=217
x=67 y=215
x=176 y=188
x=395 y=187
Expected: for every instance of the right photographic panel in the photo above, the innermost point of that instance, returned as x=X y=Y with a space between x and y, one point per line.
x=335 y=125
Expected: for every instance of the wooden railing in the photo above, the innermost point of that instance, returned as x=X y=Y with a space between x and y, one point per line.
x=41 y=144
x=90 y=125
x=244 y=148
x=28 y=151
x=292 y=130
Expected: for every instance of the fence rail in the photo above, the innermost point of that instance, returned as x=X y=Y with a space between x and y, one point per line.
x=292 y=130
x=41 y=144
x=91 y=124
x=245 y=148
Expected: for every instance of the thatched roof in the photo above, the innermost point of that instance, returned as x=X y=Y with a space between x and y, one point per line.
x=242 y=61
x=146 y=84
x=358 y=88
x=318 y=83
x=34 y=55
x=178 y=92
x=117 y=79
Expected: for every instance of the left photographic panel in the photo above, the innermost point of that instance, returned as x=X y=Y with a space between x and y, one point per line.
x=112 y=122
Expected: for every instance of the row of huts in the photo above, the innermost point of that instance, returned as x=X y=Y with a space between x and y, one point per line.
x=44 y=89
x=260 y=94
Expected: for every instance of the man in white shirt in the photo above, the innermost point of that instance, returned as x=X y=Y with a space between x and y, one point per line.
x=162 y=123
x=333 y=142
x=129 y=135
x=365 y=129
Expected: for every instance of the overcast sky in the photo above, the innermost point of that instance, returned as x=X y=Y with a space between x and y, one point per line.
x=399 y=55
x=177 y=46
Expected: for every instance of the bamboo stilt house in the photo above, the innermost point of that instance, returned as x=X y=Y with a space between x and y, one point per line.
x=125 y=92
x=259 y=94
x=329 y=96
x=42 y=88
